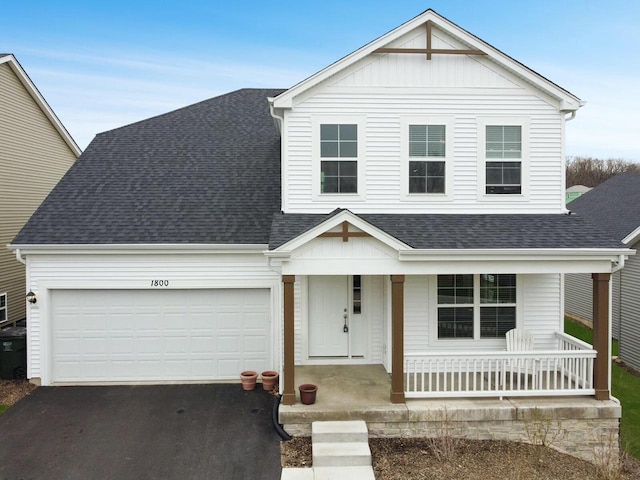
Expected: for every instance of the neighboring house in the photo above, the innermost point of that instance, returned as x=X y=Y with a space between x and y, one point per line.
x=403 y=207
x=35 y=152
x=613 y=206
x=575 y=191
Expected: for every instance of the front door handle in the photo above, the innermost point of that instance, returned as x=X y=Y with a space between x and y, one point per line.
x=345 y=329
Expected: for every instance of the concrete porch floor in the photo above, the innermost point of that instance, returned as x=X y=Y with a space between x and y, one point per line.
x=345 y=386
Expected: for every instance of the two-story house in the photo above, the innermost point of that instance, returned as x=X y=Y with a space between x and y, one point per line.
x=35 y=152
x=404 y=207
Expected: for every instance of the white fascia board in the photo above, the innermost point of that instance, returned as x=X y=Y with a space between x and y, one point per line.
x=138 y=249
x=42 y=103
x=541 y=254
x=632 y=237
x=568 y=101
x=345 y=216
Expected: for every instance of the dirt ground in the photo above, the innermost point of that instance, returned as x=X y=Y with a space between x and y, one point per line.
x=402 y=459
x=13 y=390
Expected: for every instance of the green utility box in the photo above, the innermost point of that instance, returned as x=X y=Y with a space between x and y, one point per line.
x=13 y=353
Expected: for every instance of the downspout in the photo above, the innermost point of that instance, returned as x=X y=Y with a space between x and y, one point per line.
x=566 y=118
x=19 y=257
x=279 y=119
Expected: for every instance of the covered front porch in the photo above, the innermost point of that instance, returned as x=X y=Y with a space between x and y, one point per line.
x=440 y=314
x=565 y=366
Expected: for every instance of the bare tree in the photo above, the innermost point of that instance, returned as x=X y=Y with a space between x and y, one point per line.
x=590 y=171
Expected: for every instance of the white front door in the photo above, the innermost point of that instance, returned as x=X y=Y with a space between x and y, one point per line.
x=337 y=324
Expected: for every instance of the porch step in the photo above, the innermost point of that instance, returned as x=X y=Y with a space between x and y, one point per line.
x=328 y=473
x=341 y=454
x=297 y=474
x=351 y=431
x=344 y=473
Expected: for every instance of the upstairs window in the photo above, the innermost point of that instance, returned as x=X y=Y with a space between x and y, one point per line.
x=504 y=159
x=427 y=151
x=339 y=153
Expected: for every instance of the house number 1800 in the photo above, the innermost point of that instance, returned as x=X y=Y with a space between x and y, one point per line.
x=159 y=283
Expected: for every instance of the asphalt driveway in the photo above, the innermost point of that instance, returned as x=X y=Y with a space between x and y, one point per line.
x=140 y=432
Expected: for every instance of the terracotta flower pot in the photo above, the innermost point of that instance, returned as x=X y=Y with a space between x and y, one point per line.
x=248 y=379
x=269 y=379
x=308 y=393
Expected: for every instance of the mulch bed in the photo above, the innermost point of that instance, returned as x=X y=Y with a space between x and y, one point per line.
x=13 y=390
x=403 y=458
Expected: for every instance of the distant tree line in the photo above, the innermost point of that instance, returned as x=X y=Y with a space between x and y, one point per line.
x=590 y=171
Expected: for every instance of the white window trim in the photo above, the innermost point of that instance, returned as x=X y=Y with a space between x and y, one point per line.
x=448 y=122
x=340 y=198
x=523 y=196
x=6 y=305
x=484 y=343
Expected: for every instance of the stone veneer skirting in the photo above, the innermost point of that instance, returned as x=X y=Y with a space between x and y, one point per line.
x=583 y=427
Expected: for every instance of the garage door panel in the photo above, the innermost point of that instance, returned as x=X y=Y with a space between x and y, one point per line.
x=153 y=335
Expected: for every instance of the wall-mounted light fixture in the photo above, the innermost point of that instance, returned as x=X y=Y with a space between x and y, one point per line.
x=31 y=297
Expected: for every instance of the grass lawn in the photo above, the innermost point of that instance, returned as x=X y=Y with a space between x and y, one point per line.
x=3 y=408
x=624 y=386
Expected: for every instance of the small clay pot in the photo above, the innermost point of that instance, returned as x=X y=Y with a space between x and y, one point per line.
x=269 y=379
x=248 y=379
x=308 y=393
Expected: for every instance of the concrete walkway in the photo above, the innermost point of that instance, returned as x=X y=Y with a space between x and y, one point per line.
x=340 y=452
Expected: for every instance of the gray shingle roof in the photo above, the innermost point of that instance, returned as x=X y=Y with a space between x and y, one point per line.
x=464 y=231
x=207 y=173
x=613 y=206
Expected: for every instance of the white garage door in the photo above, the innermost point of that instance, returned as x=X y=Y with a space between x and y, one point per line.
x=159 y=335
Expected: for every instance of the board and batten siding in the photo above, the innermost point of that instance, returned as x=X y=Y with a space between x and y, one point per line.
x=539 y=311
x=33 y=158
x=630 y=311
x=382 y=90
x=48 y=273
x=578 y=297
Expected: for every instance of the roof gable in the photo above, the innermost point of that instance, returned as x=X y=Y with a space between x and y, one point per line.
x=340 y=223
x=29 y=86
x=447 y=34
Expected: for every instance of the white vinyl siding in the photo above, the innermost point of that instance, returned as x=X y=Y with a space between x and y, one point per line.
x=384 y=172
x=383 y=90
x=48 y=273
x=538 y=310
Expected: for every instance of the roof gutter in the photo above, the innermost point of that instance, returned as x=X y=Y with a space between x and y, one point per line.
x=142 y=248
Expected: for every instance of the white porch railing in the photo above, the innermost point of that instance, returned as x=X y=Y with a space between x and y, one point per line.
x=566 y=371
